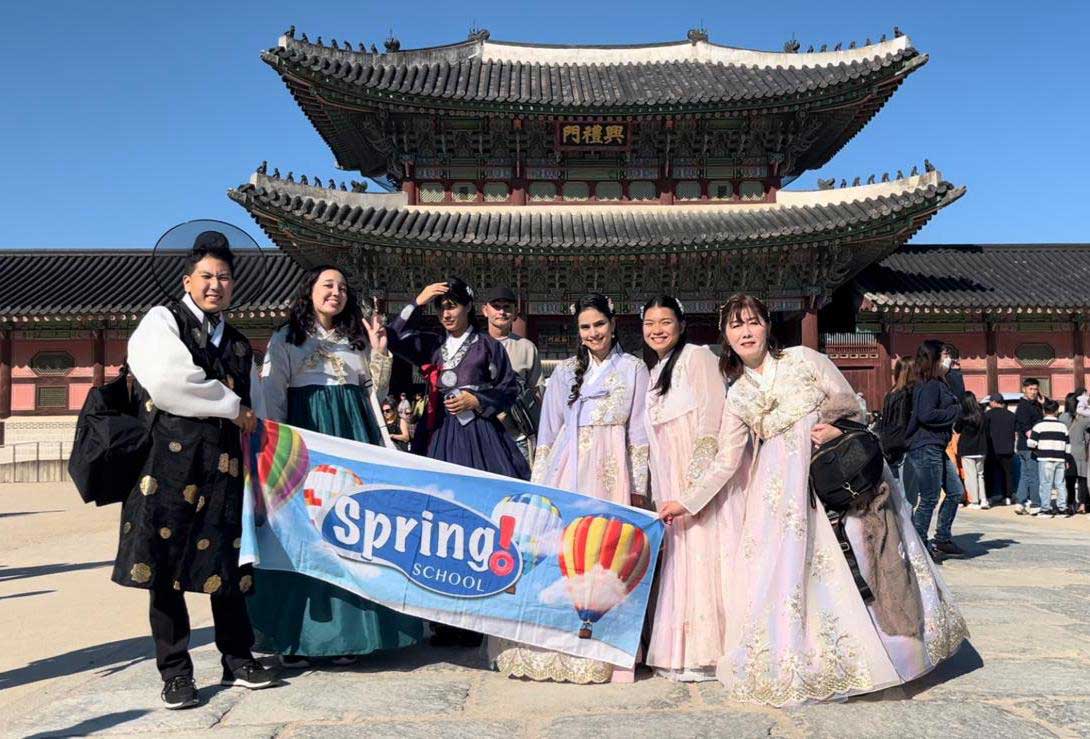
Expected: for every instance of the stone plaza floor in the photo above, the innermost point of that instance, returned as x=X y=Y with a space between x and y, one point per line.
x=76 y=658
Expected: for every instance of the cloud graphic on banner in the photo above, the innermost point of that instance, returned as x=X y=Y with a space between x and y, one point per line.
x=597 y=590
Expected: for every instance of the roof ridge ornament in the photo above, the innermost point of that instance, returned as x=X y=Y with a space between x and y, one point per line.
x=290 y=33
x=478 y=34
x=792 y=46
x=392 y=44
x=700 y=33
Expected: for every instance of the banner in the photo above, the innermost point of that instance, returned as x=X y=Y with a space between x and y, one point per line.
x=483 y=552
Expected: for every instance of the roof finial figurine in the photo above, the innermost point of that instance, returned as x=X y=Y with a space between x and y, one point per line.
x=870 y=180
x=347 y=46
x=333 y=43
x=839 y=46
x=374 y=49
x=290 y=33
x=291 y=176
x=305 y=39
x=343 y=188
x=900 y=174
x=826 y=184
x=857 y=182
x=928 y=166
x=392 y=44
x=843 y=183
x=362 y=47
x=318 y=41
x=851 y=44
x=867 y=42
x=824 y=47
x=317 y=181
x=885 y=177
x=332 y=185
x=263 y=167
x=897 y=32
x=792 y=47
x=883 y=39
x=276 y=173
x=478 y=34
x=303 y=180
x=915 y=171
x=698 y=34
x=810 y=49
x=358 y=186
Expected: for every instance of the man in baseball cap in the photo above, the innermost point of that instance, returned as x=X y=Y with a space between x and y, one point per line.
x=501 y=310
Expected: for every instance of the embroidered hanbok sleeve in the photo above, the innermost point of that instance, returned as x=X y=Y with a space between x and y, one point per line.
x=706 y=385
x=276 y=378
x=638 y=448
x=499 y=397
x=840 y=398
x=380 y=366
x=164 y=367
x=553 y=409
x=407 y=341
x=731 y=442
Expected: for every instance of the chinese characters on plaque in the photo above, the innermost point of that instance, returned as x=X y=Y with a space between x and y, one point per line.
x=592 y=134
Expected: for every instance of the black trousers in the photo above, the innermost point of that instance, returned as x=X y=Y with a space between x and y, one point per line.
x=1077 y=492
x=170 y=630
x=1002 y=475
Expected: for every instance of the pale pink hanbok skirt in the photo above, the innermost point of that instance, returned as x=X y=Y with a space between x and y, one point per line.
x=796 y=628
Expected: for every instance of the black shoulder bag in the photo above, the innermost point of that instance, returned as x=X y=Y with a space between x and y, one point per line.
x=845 y=473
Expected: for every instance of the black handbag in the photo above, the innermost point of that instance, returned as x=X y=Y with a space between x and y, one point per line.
x=111 y=443
x=846 y=471
x=525 y=412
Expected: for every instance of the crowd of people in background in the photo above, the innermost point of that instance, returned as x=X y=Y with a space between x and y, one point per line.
x=952 y=449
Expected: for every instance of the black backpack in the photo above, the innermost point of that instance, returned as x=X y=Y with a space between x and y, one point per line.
x=893 y=427
x=111 y=443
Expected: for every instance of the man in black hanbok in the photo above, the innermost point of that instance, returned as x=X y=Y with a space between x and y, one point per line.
x=181 y=525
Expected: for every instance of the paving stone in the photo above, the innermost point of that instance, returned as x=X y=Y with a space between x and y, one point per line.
x=1008 y=678
x=123 y=712
x=737 y=724
x=1071 y=715
x=916 y=719
x=462 y=729
x=509 y=697
x=349 y=696
x=1037 y=642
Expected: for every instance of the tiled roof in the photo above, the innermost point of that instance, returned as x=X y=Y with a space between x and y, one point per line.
x=979 y=277
x=892 y=210
x=526 y=77
x=119 y=282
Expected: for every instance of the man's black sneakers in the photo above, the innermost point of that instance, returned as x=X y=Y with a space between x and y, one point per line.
x=249 y=675
x=180 y=692
x=949 y=548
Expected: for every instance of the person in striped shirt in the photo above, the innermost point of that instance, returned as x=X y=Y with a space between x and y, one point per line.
x=1051 y=445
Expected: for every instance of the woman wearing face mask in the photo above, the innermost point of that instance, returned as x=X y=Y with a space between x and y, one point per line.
x=797 y=629
x=325 y=370
x=684 y=406
x=591 y=440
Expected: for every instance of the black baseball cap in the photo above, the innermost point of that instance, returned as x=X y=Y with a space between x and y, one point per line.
x=500 y=293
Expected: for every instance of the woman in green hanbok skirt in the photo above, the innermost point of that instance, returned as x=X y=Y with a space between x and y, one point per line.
x=324 y=370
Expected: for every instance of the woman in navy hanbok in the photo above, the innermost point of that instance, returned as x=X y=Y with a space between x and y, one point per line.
x=470 y=382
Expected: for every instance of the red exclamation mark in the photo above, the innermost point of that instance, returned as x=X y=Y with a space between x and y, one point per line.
x=502 y=562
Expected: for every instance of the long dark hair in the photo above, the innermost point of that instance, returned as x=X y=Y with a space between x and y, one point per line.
x=1071 y=404
x=302 y=321
x=730 y=364
x=928 y=360
x=650 y=357
x=601 y=304
x=904 y=373
x=971 y=414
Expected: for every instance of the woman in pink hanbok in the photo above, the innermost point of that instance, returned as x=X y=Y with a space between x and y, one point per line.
x=798 y=629
x=684 y=406
x=591 y=440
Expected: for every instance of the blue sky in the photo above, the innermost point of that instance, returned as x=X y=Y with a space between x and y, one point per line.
x=124 y=118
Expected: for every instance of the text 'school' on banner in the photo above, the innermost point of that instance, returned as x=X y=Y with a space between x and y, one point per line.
x=540 y=566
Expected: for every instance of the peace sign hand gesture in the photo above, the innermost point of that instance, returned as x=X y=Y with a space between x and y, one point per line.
x=376 y=333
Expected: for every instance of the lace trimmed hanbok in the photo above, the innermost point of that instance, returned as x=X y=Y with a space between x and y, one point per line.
x=682 y=429
x=797 y=629
x=596 y=446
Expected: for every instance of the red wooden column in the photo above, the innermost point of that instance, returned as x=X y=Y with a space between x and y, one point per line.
x=5 y=371
x=885 y=365
x=991 y=360
x=1079 y=350
x=810 y=328
x=98 y=357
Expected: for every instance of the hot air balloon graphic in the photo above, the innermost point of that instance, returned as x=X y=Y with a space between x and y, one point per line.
x=602 y=560
x=282 y=461
x=324 y=484
x=538 y=527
